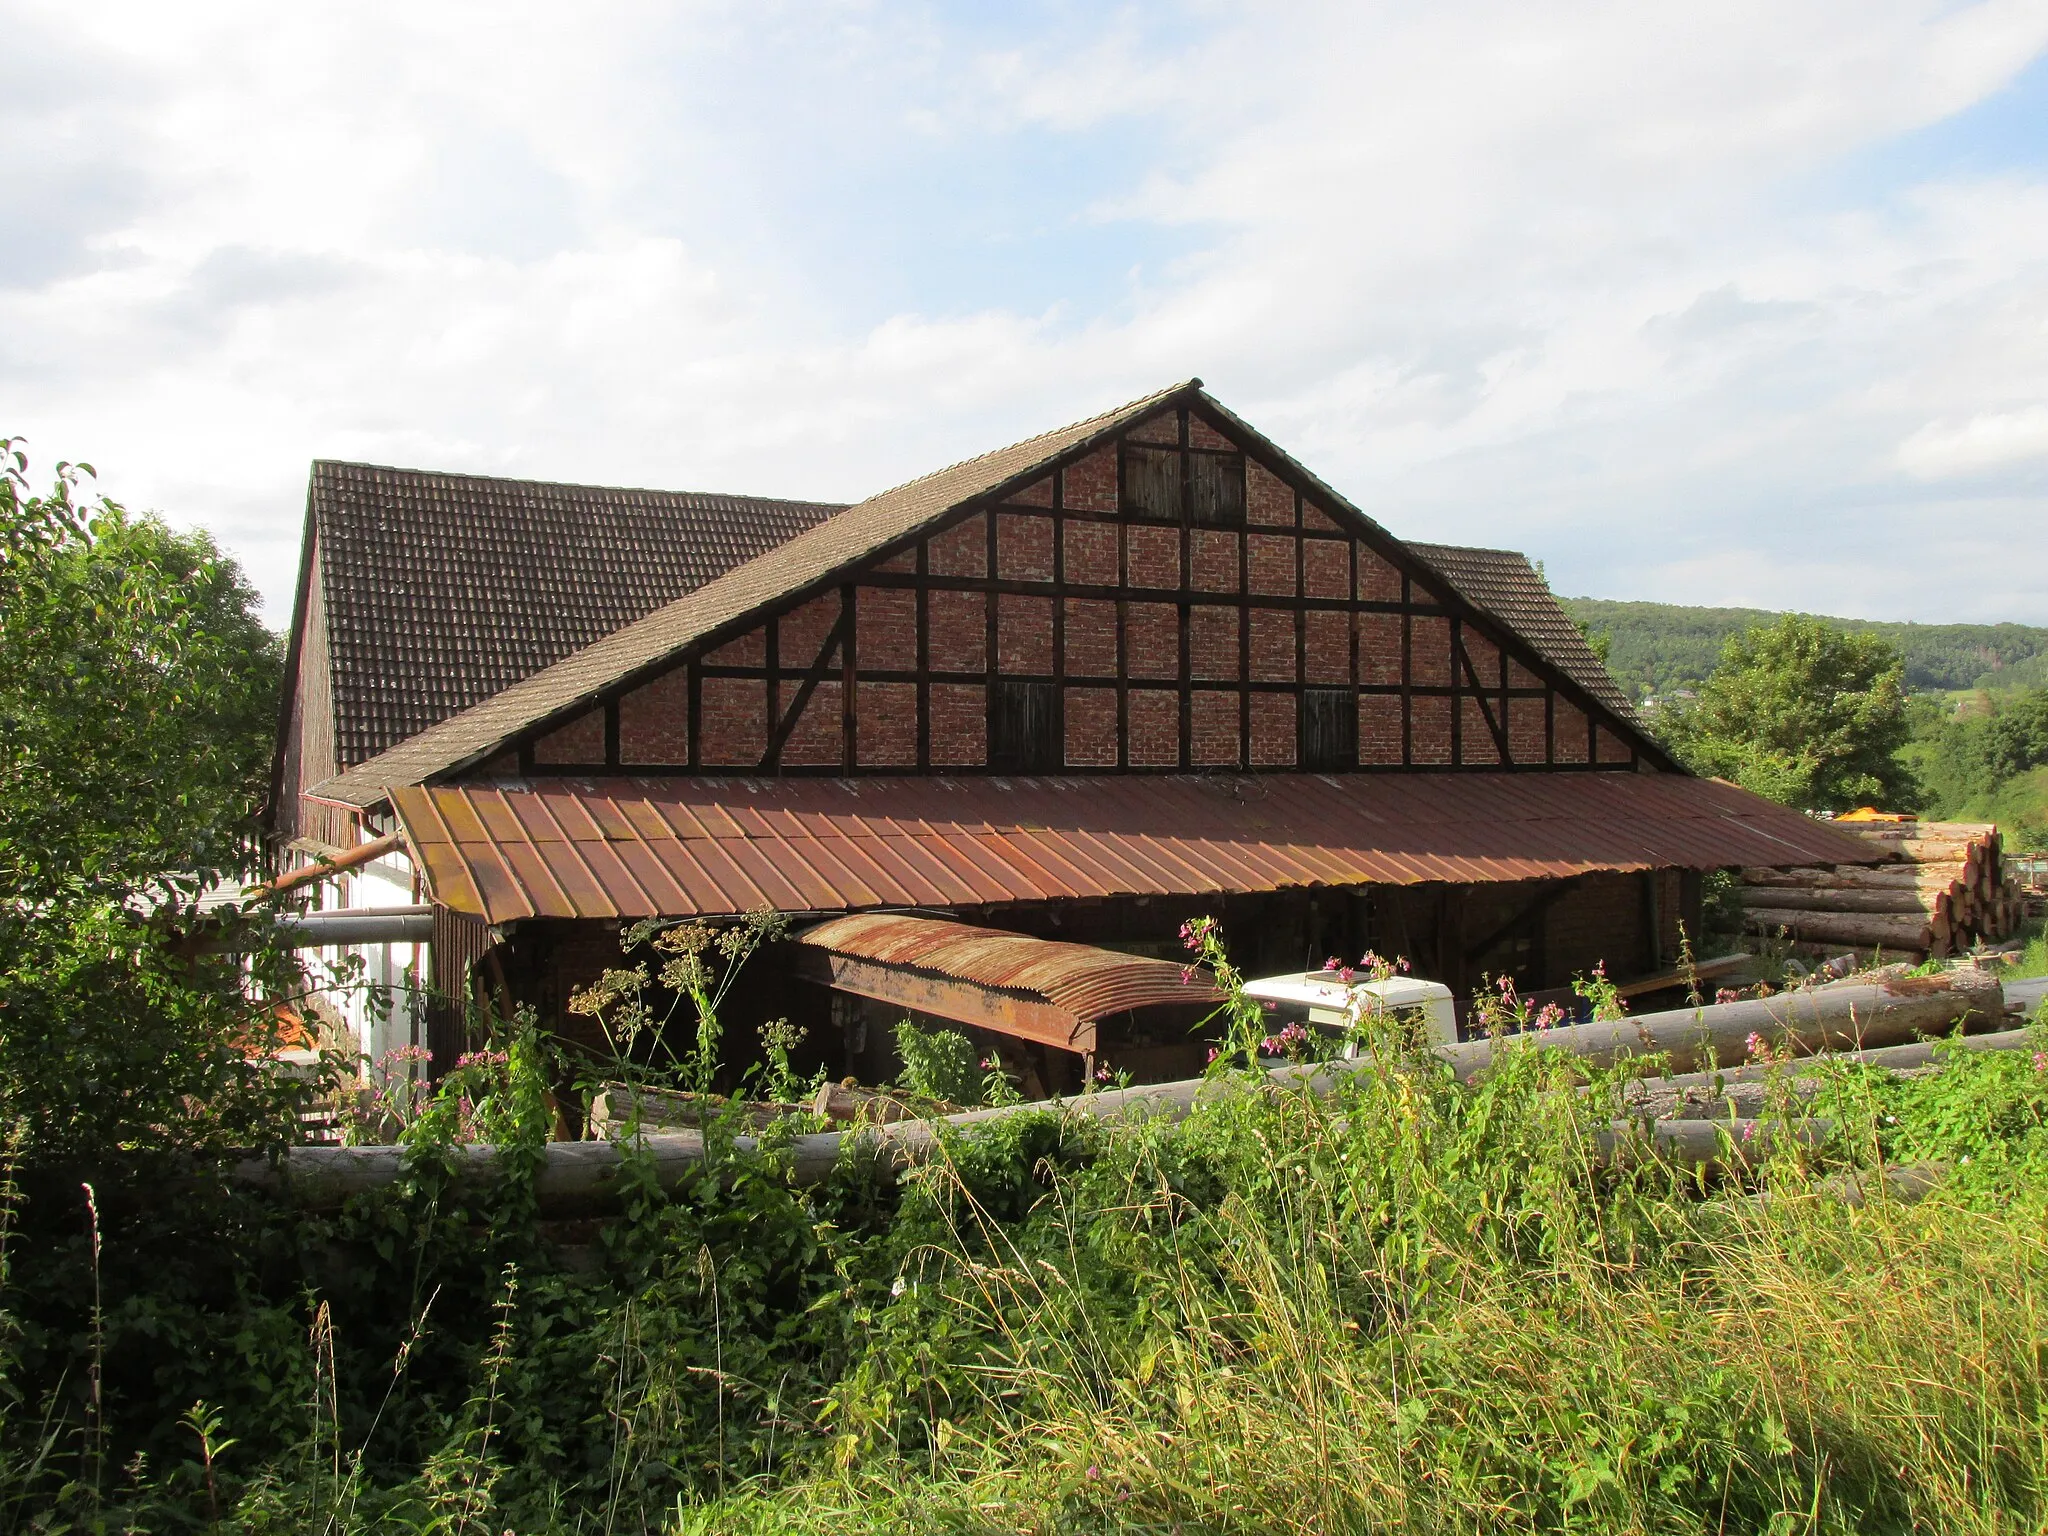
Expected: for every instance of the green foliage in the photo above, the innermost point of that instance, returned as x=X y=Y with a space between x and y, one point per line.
x=1986 y=763
x=1801 y=712
x=1658 y=647
x=938 y=1064
x=138 y=694
x=117 y=1040
x=780 y=1083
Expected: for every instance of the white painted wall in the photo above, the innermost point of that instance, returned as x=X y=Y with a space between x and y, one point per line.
x=383 y=1007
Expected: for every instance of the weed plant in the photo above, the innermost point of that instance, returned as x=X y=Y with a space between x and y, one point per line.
x=1409 y=1305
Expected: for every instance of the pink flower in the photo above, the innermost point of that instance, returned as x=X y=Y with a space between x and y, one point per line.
x=2041 y=1061
x=1214 y=1053
x=1549 y=1016
x=1727 y=995
x=1332 y=963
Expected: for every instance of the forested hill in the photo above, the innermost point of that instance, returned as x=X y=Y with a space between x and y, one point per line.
x=1658 y=646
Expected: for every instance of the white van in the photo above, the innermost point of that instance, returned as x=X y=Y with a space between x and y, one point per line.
x=1323 y=1000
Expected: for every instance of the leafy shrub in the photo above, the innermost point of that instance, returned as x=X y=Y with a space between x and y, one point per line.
x=938 y=1064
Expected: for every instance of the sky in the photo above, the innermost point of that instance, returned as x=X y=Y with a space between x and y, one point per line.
x=1732 y=304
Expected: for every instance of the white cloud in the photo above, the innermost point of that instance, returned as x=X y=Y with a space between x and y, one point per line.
x=1943 y=449
x=1587 y=280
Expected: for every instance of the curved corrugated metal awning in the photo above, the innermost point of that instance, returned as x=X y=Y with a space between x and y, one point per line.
x=680 y=847
x=1038 y=989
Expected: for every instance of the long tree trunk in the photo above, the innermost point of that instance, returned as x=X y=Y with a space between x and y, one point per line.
x=1878 y=928
x=584 y=1177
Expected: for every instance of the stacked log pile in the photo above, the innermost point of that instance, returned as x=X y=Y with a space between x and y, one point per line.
x=1942 y=890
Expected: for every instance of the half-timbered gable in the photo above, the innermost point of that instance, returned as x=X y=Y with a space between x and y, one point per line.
x=1166 y=592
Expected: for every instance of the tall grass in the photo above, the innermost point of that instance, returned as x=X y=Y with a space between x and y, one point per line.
x=1419 y=1308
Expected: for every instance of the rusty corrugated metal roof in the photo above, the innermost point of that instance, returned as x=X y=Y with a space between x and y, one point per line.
x=1082 y=980
x=675 y=847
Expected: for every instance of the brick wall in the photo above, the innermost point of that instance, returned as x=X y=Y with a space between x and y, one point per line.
x=579 y=742
x=1023 y=635
x=959 y=725
x=654 y=722
x=1212 y=728
x=1599 y=920
x=885 y=725
x=734 y=716
x=803 y=632
x=1090 y=484
x=1273 y=741
x=958 y=631
x=1212 y=646
x=884 y=629
x=1154 y=728
x=1023 y=547
x=1091 y=727
x=1326 y=647
x=1571 y=734
x=1430 y=730
x=1152 y=639
x=815 y=741
x=1525 y=729
x=1379 y=730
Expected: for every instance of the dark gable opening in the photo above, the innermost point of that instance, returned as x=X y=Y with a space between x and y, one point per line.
x=1152 y=484
x=1024 y=734
x=1218 y=485
x=1329 y=730
x=1152 y=481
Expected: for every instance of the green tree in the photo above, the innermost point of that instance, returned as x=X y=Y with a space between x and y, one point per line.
x=2017 y=736
x=1804 y=713
x=1987 y=761
x=138 y=691
x=138 y=694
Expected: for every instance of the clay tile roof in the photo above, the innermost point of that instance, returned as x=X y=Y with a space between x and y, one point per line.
x=442 y=590
x=809 y=557
x=1503 y=583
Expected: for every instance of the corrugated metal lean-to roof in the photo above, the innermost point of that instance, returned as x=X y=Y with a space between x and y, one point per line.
x=628 y=848
x=1088 y=982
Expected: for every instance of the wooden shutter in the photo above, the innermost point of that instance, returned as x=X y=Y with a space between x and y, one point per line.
x=1152 y=481
x=1024 y=727
x=1217 y=483
x=1329 y=730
